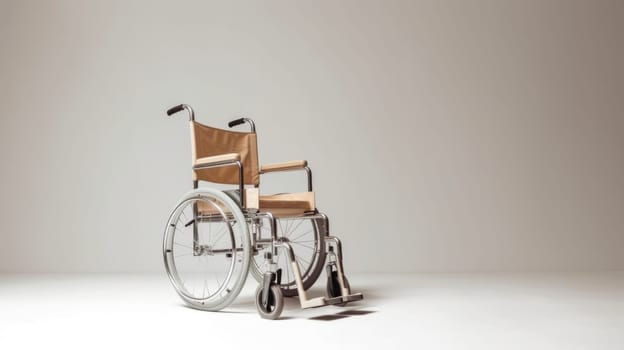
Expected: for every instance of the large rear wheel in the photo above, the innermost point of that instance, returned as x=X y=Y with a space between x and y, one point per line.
x=207 y=249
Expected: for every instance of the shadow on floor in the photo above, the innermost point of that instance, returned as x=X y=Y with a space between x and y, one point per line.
x=222 y=311
x=341 y=315
x=327 y=317
x=245 y=304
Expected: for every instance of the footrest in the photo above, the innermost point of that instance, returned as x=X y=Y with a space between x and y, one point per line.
x=334 y=301
x=324 y=301
x=351 y=297
x=315 y=302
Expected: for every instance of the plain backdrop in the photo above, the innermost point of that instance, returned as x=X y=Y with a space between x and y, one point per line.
x=443 y=135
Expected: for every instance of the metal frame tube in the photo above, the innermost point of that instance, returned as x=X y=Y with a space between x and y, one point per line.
x=241 y=174
x=296 y=271
x=190 y=111
x=326 y=220
x=195 y=215
x=309 y=174
x=252 y=124
x=338 y=245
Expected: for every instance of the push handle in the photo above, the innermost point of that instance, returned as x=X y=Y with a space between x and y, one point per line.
x=235 y=122
x=181 y=107
x=174 y=110
x=243 y=120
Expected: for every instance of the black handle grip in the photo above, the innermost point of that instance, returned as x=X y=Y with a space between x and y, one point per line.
x=235 y=122
x=174 y=110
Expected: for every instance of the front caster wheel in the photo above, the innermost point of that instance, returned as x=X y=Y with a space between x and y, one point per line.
x=275 y=304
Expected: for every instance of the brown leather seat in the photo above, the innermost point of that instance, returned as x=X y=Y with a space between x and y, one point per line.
x=280 y=205
x=287 y=204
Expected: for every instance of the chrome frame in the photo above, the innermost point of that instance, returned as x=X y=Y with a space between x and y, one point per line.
x=190 y=111
x=279 y=244
x=276 y=242
x=241 y=180
x=251 y=124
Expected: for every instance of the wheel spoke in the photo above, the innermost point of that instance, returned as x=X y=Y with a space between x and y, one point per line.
x=301 y=235
x=222 y=233
x=185 y=218
x=308 y=241
x=302 y=245
x=296 y=227
x=304 y=260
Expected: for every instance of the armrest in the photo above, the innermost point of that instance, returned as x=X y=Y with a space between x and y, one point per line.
x=285 y=166
x=220 y=160
x=216 y=160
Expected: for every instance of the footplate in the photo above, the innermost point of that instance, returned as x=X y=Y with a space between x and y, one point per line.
x=314 y=302
x=324 y=301
x=334 y=301
x=352 y=297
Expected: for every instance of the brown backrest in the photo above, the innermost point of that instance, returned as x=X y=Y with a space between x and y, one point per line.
x=207 y=141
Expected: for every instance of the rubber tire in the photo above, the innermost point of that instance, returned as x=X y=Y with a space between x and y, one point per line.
x=246 y=244
x=276 y=301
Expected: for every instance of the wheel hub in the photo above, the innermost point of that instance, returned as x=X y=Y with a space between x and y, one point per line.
x=203 y=249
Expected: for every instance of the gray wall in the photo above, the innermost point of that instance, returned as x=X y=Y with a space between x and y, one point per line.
x=443 y=135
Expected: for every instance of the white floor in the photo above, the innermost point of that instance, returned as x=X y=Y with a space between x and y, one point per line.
x=410 y=311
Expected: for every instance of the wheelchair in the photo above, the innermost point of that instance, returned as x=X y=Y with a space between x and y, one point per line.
x=214 y=238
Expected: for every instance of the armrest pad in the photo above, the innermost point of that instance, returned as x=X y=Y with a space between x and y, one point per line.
x=231 y=157
x=292 y=165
